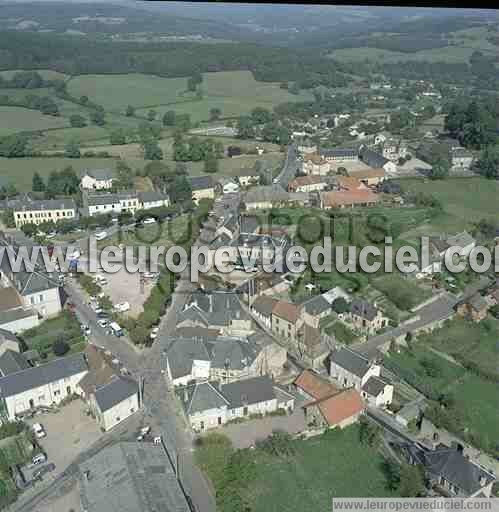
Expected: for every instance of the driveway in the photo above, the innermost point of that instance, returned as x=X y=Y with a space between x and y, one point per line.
x=69 y=432
x=246 y=434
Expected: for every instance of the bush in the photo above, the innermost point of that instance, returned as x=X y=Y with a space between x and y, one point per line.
x=60 y=348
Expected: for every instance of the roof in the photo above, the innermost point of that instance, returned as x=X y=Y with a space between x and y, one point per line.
x=102 y=198
x=12 y=315
x=302 y=181
x=151 y=196
x=457 y=469
x=371 y=158
x=351 y=361
x=101 y=368
x=46 y=204
x=115 y=391
x=338 y=153
x=266 y=193
x=128 y=477
x=9 y=299
x=248 y=391
x=363 y=309
x=264 y=305
x=181 y=354
x=98 y=174
x=461 y=239
x=12 y=362
x=7 y=336
x=340 y=406
x=201 y=397
x=31 y=378
x=201 y=182
x=350 y=183
x=368 y=173
x=348 y=197
x=287 y=311
x=314 y=385
x=317 y=305
x=249 y=224
x=478 y=303
x=314 y=158
x=374 y=385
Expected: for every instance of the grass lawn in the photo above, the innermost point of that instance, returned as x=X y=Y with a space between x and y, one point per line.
x=20 y=170
x=341 y=332
x=46 y=74
x=464 y=200
x=404 y=293
x=17 y=119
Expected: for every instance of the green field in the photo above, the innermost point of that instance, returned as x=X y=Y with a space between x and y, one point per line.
x=46 y=74
x=17 y=119
x=20 y=170
x=464 y=200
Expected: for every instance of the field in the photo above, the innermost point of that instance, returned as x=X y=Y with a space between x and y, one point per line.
x=20 y=170
x=464 y=200
x=17 y=119
x=322 y=467
x=46 y=74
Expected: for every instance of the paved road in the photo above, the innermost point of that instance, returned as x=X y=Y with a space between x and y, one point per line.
x=289 y=169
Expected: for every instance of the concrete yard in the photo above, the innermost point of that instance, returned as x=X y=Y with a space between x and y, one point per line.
x=69 y=433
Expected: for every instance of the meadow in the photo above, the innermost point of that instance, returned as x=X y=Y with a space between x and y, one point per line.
x=17 y=119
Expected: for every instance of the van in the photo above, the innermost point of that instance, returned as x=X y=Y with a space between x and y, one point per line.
x=101 y=235
x=116 y=329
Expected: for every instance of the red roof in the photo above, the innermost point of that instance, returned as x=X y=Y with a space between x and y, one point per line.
x=287 y=311
x=340 y=406
x=314 y=385
x=348 y=197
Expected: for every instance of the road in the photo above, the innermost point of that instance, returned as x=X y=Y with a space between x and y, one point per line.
x=289 y=169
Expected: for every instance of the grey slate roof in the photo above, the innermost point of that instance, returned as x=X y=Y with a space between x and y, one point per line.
x=264 y=305
x=374 y=386
x=115 y=391
x=371 y=158
x=46 y=204
x=249 y=224
x=232 y=353
x=31 y=378
x=7 y=336
x=200 y=397
x=248 y=391
x=317 y=305
x=338 y=153
x=130 y=477
x=457 y=469
x=351 y=361
x=201 y=182
x=181 y=353
x=11 y=362
x=151 y=196
x=363 y=309
x=265 y=193
x=98 y=174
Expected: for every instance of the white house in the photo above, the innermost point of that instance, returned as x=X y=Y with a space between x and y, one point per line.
x=103 y=203
x=47 y=210
x=96 y=179
x=42 y=385
x=152 y=199
x=351 y=369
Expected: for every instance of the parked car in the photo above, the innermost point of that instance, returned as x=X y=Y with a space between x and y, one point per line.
x=39 y=430
x=149 y=275
x=103 y=323
x=39 y=459
x=122 y=307
x=154 y=333
x=149 y=220
x=48 y=468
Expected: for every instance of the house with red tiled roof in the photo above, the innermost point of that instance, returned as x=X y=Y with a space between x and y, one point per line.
x=312 y=386
x=351 y=192
x=337 y=410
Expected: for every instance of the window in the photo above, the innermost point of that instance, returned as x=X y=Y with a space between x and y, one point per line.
x=40 y=297
x=118 y=419
x=57 y=392
x=32 y=300
x=245 y=411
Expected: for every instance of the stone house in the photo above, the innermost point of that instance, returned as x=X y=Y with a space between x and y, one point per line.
x=96 y=179
x=315 y=165
x=262 y=308
x=286 y=321
x=307 y=184
x=475 y=308
x=46 y=210
x=365 y=317
x=202 y=188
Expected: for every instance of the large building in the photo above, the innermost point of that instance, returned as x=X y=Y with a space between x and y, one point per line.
x=103 y=203
x=48 y=210
x=96 y=179
x=202 y=188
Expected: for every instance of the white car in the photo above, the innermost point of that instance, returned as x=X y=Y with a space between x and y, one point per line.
x=103 y=323
x=122 y=307
x=154 y=333
x=51 y=235
x=149 y=275
x=149 y=220
x=39 y=430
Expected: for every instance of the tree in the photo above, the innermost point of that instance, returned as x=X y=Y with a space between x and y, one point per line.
x=130 y=111
x=215 y=113
x=64 y=183
x=124 y=176
x=118 y=137
x=180 y=168
x=261 y=115
x=13 y=146
x=169 y=118
x=83 y=100
x=369 y=433
x=412 y=483
x=487 y=228
x=97 y=116
x=440 y=170
x=245 y=128
x=181 y=190
x=294 y=88
x=29 y=229
x=151 y=115
x=77 y=121
x=72 y=149
x=8 y=219
x=340 y=306
x=38 y=185
x=60 y=348
x=342 y=171
x=183 y=122
x=488 y=162
x=210 y=163
x=152 y=151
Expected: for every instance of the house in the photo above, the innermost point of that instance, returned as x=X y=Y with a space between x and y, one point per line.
x=369 y=177
x=475 y=308
x=451 y=473
x=340 y=155
x=105 y=202
x=12 y=361
x=96 y=179
x=336 y=293
x=265 y=197
x=351 y=369
x=32 y=288
x=307 y=184
x=211 y=404
x=262 y=308
x=463 y=241
x=286 y=320
x=216 y=310
x=43 y=385
x=461 y=159
x=394 y=149
x=313 y=346
x=349 y=198
x=365 y=317
x=130 y=476
x=377 y=161
x=8 y=341
x=338 y=410
x=306 y=147
x=311 y=386
x=47 y=210
x=259 y=248
x=202 y=188
x=152 y=199
x=315 y=309
x=111 y=394
x=247 y=177
x=315 y=164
